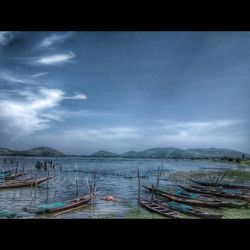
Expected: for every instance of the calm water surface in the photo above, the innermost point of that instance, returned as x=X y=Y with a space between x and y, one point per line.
x=116 y=177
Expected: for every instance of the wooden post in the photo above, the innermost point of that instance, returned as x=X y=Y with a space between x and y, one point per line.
x=94 y=181
x=77 y=189
x=16 y=170
x=152 y=196
x=223 y=175
x=88 y=185
x=139 y=184
x=218 y=176
x=209 y=178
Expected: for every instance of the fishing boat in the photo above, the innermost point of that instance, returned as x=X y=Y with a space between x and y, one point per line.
x=219 y=192
x=24 y=183
x=224 y=185
x=193 y=200
x=187 y=209
x=7 y=171
x=4 y=214
x=63 y=206
x=4 y=175
x=12 y=176
x=160 y=209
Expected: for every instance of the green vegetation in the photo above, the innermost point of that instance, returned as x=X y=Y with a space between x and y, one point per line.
x=245 y=163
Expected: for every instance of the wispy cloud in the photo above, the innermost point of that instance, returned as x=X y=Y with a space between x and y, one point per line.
x=62 y=114
x=114 y=133
x=6 y=37
x=39 y=74
x=55 y=59
x=54 y=38
x=197 y=127
x=14 y=77
x=31 y=113
x=77 y=97
x=217 y=133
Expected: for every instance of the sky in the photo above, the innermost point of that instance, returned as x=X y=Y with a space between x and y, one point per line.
x=81 y=92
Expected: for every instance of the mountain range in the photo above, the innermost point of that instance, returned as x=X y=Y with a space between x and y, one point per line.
x=172 y=153
x=41 y=151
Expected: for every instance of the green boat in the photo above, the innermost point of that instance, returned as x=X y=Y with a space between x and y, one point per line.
x=195 y=199
x=4 y=214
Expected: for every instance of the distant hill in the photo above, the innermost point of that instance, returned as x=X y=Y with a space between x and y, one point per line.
x=171 y=153
x=215 y=153
x=176 y=153
x=103 y=153
x=129 y=154
x=41 y=151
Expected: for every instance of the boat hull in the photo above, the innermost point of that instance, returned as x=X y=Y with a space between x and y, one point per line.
x=195 y=202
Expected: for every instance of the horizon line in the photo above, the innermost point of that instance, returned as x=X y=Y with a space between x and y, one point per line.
x=120 y=153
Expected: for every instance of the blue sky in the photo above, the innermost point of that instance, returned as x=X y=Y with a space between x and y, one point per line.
x=85 y=91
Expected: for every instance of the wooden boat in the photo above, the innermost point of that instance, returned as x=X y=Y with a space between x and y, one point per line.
x=4 y=175
x=4 y=214
x=196 y=202
x=13 y=176
x=224 y=185
x=158 y=208
x=219 y=192
x=188 y=210
x=7 y=171
x=24 y=183
x=61 y=206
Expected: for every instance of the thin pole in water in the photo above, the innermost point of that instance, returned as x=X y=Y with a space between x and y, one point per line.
x=88 y=185
x=94 y=177
x=139 y=184
x=77 y=189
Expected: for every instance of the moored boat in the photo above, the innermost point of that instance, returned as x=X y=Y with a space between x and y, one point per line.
x=219 y=192
x=193 y=200
x=160 y=209
x=12 y=176
x=4 y=214
x=24 y=183
x=187 y=209
x=62 y=206
x=224 y=185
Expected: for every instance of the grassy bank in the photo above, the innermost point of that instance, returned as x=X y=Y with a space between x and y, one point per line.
x=233 y=176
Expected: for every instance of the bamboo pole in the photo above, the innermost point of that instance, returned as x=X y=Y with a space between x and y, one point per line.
x=88 y=185
x=94 y=181
x=77 y=189
x=223 y=176
x=157 y=177
x=218 y=176
x=152 y=196
x=139 y=184
x=209 y=178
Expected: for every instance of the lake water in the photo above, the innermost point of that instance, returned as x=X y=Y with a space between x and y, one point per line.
x=117 y=177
